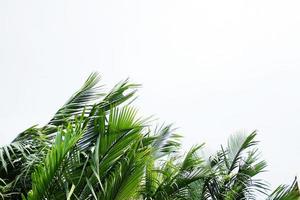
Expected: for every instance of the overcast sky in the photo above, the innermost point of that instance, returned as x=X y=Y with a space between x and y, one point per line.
x=210 y=67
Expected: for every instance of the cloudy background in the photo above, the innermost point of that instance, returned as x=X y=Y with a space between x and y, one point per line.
x=210 y=67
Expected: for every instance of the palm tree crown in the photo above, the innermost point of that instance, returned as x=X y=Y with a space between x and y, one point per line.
x=97 y=147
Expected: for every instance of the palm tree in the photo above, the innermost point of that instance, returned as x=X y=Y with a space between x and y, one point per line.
x=97 y=147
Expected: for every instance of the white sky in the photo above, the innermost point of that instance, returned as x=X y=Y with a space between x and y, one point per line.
x=211 y=67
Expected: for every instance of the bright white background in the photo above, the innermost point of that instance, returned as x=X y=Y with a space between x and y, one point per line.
x=211 y=67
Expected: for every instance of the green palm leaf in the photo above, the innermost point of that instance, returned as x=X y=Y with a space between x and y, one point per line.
x=45 y=173
x=284 y=192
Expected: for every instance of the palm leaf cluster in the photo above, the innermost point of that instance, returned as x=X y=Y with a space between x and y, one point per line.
x=97 y=147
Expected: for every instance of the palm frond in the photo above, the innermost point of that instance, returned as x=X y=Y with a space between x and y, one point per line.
x=116 y=137
x=237 y=144
x=285 y=192
x=235 y=169
x=84 y=98
x=46 y=171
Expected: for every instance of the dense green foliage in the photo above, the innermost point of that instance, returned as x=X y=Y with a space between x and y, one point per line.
x=96 y=147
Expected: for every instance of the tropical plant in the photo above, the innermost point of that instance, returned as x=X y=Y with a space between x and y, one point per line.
x=97 y=147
